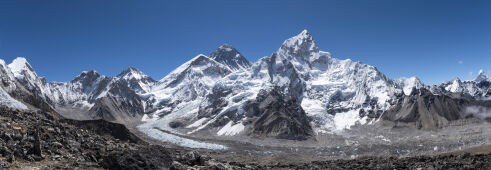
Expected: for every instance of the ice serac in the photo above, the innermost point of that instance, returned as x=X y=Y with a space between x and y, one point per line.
x=229 y=56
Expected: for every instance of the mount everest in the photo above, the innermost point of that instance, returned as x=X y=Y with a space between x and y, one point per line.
x=296 y=93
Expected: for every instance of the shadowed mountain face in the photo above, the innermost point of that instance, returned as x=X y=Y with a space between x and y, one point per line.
x=121 y=104
x=432 y=111
x=426 y=110
x=278 y=116
x=295 y=93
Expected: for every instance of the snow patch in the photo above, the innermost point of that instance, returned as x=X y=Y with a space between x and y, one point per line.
x=197 y=123
x=7 y=100
x=231 y=130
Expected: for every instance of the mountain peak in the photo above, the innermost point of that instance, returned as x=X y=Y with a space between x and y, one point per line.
x=20 y=65
x=90 y=72
x=229 y=56
x=481 y=76
x=129 y=70
x=305 y=33
x=131 y=73
x=89 y=75
x=301 y=45
x=408 y=84
x=226 y=47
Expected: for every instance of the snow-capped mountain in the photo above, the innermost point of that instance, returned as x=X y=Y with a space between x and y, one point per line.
x=77 y=98
x=333 y=93
x=295 y=93
x=480 y=87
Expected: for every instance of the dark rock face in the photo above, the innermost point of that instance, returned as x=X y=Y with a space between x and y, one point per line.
x=279 y=117
x=427 y=110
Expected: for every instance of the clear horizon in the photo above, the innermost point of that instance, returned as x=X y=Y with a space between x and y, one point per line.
x=434 y=41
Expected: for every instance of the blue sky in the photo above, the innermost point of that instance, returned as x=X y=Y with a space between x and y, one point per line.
x=433 y=40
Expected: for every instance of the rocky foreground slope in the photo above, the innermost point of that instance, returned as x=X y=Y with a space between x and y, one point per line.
x=45 y=140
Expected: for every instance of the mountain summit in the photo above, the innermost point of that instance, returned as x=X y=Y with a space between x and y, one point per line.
x=481 y=76
x=21 y=68
x=301 y=45
x=229 y=56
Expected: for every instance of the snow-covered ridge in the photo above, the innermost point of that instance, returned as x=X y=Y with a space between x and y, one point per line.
x=478 y=87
